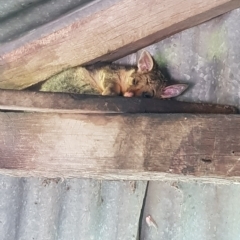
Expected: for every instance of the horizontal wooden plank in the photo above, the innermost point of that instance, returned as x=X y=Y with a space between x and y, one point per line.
x=114 y=29
x=123 y=146
x=76 y=103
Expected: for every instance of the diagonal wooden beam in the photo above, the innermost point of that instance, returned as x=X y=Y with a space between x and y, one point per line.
x=126 y=146
x=105 y=30
x=76 y=103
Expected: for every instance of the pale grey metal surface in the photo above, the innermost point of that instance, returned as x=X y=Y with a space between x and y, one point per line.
x=207 y=57
x=17 y=17
x=74 y=209
x=192 y=210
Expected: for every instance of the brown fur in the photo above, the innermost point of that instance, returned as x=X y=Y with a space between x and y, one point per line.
x=145 y=80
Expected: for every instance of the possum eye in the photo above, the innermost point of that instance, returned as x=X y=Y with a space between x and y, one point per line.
x=134 y=81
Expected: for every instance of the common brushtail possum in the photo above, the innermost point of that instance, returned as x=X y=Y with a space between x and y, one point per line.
x=145 y=80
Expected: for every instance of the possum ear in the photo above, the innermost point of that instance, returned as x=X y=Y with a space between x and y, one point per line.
x=173 y=90
x=145 y=62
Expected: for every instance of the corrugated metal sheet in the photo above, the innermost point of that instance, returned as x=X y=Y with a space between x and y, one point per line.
x=193 y=210
x=74 y=209
x=21 y=16
x=207 y=56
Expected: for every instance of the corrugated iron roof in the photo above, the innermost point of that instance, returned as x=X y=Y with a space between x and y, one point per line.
x=73 y=209
x=20 y=17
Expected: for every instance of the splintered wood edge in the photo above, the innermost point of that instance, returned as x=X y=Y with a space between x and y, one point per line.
x=104 y=31
x=126 y=146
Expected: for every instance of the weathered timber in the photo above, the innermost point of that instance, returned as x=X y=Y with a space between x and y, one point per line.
x=77 y=103
x=126 y=146
x=106 y=30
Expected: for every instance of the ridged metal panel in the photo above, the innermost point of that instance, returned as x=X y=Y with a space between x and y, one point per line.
x=74 y=209
x=193 y=210
x=18 y=17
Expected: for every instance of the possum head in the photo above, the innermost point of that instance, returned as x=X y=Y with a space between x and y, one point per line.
x=148 y=81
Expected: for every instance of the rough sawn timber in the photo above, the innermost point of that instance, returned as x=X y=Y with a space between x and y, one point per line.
x=126 y=146
x=111 y=30
x=79 y=103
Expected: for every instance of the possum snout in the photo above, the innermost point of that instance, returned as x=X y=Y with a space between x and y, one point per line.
x=148 y=94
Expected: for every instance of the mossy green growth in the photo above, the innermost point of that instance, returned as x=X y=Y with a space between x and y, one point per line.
x=168 y=55
x=216 y=44
x=160 y=59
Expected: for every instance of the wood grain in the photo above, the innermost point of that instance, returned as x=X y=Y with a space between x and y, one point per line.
x=109 y=33
x=79 y=103
x=122 y=146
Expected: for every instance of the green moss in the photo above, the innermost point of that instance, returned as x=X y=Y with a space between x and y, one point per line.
x=216 y=44
x=160 y=60
x=167 y=56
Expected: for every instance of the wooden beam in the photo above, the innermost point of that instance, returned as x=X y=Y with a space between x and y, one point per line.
x=114 y=29
x=77 y=103
x=123 y=146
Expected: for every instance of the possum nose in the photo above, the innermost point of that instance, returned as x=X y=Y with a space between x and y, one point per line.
x=147 y=95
